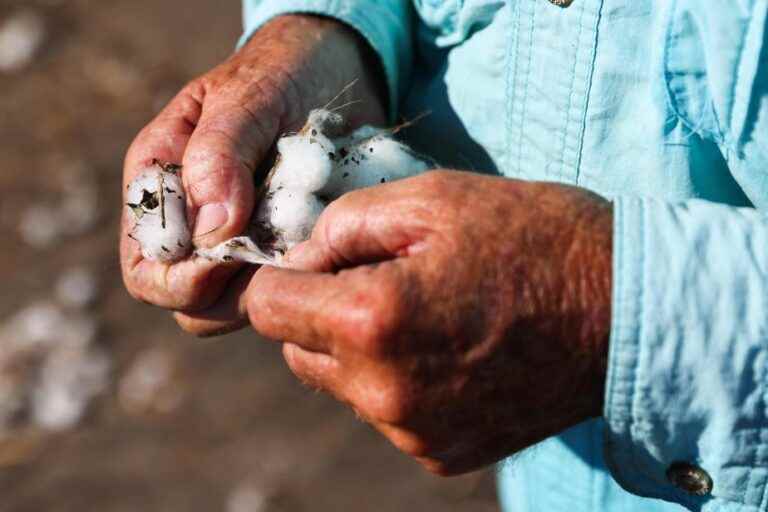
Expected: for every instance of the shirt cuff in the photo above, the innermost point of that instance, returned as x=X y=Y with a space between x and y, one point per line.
x=385 y=25
x=688 y=359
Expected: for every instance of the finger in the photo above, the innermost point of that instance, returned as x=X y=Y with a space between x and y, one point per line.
x=366 y=226
x=227 y=315
x=318 y=371
x=405 y=440
x=290 y=306
x=233 y=135
x=350 y=311
x=166 y=137
x=190 y=283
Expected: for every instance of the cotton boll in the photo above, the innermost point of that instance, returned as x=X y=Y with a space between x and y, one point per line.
x=292 y=213
x=305 y=162
x=157 y=200
x=315 y=166
x=370 y=162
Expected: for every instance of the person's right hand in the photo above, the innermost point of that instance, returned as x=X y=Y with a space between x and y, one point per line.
x=220 y=127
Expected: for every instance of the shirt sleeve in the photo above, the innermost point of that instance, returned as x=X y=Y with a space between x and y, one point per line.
x=688 y=364
x=384 y=24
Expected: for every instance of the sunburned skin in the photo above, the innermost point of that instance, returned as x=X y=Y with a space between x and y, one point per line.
x=314 y=167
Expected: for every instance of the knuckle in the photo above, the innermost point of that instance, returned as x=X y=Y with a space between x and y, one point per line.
x=411 y=444
x=291 y=356
x=257 y=303
x=329 y=228
x=192 y=294
x=437 y=184
x=193 y=91
x=373 y=322
x=437 y=178
x=392 y=404
x=255 y=311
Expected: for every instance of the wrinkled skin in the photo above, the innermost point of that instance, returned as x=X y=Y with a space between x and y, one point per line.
x=465 y=317
x=220 y=127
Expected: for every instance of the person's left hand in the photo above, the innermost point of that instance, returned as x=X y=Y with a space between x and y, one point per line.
x=466 y=317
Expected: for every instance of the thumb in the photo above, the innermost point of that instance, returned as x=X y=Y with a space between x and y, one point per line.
x=366 y=226
x=232 y=137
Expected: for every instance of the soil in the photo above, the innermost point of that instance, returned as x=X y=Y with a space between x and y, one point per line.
x=238 y=433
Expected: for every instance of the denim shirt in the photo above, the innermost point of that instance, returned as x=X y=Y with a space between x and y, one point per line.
x=661 y=106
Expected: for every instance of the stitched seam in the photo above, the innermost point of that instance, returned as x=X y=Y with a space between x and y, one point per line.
x=525 y=90
x=640 y=261
x=566 y=129
x=764 y=500
x=671 y=98
x=736 y=73
x=744 y=101
x=588 y=90
x=511 y=81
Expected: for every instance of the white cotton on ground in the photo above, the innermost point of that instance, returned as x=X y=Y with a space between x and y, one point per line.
x=315 y=167
x=248 y=497
x=40 y=226
x=77 y=287
x=152 y=383
x=70 y=377
x=50 y=367
x=43 y=225
x=21 y=36
x=157 y=201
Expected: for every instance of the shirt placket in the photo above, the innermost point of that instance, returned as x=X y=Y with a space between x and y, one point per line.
x=551 y=58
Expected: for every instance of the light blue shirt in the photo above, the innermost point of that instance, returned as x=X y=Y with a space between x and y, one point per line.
x=662 y=106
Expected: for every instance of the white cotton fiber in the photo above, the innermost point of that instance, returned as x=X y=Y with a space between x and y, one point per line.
x=292 y=212
x=157 y=201
x=314 y=167
x=304 y=163
x=371 y=160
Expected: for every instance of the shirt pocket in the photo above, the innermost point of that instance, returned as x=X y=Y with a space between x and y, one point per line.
x=712 y=64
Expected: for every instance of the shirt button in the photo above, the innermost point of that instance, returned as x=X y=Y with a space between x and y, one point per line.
x=562 y=3
x=689 y=478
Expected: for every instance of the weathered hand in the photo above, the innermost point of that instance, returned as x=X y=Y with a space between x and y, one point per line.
x=220 y=127
x=466 y=317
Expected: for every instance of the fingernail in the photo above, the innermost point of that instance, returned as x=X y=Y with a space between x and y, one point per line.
x=210 y=217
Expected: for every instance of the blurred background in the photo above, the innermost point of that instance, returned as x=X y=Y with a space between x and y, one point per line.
x=104 y=404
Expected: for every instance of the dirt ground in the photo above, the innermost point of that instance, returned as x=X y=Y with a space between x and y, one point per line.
x=228 y=429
